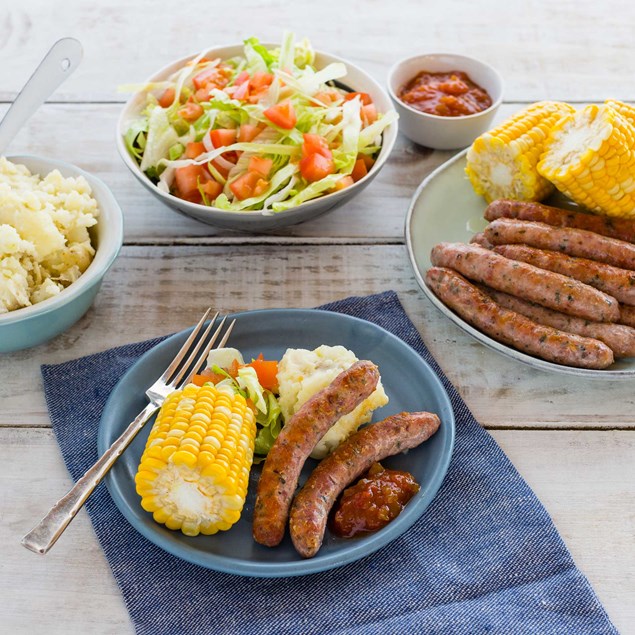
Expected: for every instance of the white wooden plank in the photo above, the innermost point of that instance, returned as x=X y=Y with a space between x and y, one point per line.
x=541 y=49
x=156 y=290
x=583 y=478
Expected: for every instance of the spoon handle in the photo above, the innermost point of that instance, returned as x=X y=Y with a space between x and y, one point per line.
x=62 y=59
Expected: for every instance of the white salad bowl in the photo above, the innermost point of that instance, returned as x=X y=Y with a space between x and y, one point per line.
x=35 y=324
x=255 y=221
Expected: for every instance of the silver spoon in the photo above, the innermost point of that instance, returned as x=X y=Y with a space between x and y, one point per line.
x=58 y=64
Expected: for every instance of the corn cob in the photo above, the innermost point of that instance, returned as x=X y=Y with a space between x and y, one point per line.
x=501 y=163
x=590 y=157
x=627 y=111
x=194 y=472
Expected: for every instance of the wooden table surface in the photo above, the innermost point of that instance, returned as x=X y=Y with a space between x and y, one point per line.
x=572 y=440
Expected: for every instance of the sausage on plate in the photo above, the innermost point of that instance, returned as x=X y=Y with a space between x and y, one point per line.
x=620 y=283
x=514 y=329
x=296 y=441
x=575 y=242
x=627 y=315
x=549 y=289
x=620 y=228
x=618 y=337
x=311 y=507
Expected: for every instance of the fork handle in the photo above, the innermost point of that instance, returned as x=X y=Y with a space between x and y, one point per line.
x=42 y=537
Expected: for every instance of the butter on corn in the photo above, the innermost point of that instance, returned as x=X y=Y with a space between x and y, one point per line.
x=590 y=157
x=194 y=472
x=502 y=163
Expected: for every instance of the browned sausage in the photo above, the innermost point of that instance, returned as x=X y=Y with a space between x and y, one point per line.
x=531 y=283
x=295 y=442
x=575 y=242
x=514 y=329
x=620 y=228
x=619 y=338
x=620 y=283
x=348 y=461
x=627 y=315
x=479 y=239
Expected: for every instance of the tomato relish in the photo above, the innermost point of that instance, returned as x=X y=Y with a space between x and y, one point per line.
x=372 y=502
x=449 y=94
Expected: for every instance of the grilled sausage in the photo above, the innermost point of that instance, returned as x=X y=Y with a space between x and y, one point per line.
x=575 y=242
x=295 y=442
x=620 y=228
x=514 y=329
x=479 y=239
x=620 y=283
x=627 y=315
x=619 y=338
x=347 y=462
x=549 y=289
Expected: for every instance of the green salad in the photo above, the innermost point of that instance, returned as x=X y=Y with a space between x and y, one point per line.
x=261 y=131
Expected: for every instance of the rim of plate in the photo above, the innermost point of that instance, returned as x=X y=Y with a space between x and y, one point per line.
x=351 y=553
x=503 y=349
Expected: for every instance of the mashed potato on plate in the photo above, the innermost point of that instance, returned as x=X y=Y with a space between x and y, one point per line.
x=44 y=240
x=302 y=373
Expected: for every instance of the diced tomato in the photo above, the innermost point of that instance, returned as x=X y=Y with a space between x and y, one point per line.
x=194 y=149
x=368 y=114
x=167 y=98
x=208 y=76
x=187 y=179
x=202 y=94
x=207 y=375
x=262 y=185
x=316 y=166
x=221 y=169
x=315 y=143
x=343 y=183
x=260 y=165
x=327 y=97
x=222 y=137
x=243 y=187
x=191 y=111
x=242 y=77
x=367 y=159
x=359 y=170
x=363 y=97
x=248 y=132
x=260 y=80
x=267 y=371
x=282 y=115
x=242 y=91
x=211 y=189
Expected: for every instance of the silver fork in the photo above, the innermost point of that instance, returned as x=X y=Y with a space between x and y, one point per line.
x=42 y=537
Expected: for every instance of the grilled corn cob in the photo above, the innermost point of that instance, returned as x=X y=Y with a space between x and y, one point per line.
x=590 y=157
x=501 y=163
x=194 y=472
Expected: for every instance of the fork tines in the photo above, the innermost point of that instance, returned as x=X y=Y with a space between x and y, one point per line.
x=179 y=369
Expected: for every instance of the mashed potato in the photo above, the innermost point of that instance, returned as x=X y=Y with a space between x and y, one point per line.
x=44 y=240
x=302 y=373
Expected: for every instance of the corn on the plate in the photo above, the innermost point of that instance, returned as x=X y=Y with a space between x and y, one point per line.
x=502 y=163
x=590 y=157
x=194 y=472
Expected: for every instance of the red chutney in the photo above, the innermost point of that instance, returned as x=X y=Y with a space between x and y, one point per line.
x=450 y=94
x=375 y=500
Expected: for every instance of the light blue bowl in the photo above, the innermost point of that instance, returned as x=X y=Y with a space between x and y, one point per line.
x=33 y=325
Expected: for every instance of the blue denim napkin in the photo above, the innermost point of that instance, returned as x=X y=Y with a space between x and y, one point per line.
x=484 y=558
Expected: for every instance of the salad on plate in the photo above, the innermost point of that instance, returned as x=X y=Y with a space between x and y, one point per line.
x=264 y=131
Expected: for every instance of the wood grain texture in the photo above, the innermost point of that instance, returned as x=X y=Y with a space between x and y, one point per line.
x=153 y=291
x=569 y=50
x=72 y=591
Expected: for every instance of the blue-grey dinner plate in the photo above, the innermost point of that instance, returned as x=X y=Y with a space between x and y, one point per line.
x=408 y=380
